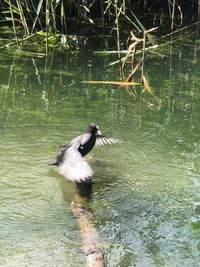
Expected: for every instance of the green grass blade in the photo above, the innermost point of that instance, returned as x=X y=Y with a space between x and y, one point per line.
x=37 y=14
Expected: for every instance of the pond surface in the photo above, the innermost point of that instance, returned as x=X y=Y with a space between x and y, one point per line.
x=146 y=192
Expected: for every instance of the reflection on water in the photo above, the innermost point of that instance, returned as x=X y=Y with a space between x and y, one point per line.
x=145 y=196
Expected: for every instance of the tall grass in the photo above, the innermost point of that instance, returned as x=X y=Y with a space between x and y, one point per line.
x=56 y=16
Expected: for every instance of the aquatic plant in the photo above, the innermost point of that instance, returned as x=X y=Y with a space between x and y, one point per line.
x=59 y=16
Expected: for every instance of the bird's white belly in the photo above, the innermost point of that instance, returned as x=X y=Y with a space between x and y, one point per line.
x=74 y=167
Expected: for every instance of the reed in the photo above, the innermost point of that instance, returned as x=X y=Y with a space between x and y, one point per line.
x=57 y=16
x=32 y=13
x=13 y=22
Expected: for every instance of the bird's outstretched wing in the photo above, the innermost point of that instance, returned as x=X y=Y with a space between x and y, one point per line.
x=60 y=157
x=75 y=140
x=102 y=140
x=63 y=148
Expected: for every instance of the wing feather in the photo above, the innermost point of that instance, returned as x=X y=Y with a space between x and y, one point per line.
x=102 y=140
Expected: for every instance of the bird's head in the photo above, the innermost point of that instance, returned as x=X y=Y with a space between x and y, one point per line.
x=93 y=129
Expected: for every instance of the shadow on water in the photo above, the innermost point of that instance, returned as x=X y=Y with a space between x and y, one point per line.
x=85 y=189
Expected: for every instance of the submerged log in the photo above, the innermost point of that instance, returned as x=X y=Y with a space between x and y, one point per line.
x=91 y=244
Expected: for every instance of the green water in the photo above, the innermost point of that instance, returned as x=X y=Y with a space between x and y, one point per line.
x=145 y=201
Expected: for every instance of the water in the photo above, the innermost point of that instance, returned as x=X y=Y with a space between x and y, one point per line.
x=145 y=202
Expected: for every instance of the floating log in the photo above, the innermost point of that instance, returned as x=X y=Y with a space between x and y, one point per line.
x=91 y=243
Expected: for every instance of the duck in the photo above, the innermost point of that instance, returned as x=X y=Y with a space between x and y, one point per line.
x=70 y=158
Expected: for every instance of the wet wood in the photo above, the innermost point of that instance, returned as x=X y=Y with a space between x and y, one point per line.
x=91 y=242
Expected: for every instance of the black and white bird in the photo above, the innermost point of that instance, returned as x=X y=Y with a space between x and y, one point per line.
x=70 y=158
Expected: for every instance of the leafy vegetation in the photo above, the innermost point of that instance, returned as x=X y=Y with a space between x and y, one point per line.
x=133 y=26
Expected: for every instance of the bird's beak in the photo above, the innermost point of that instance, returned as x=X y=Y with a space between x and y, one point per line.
x=98 y=132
